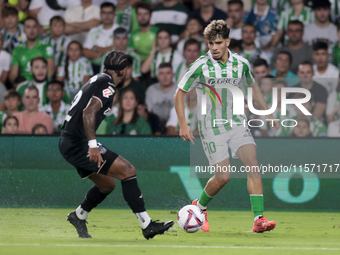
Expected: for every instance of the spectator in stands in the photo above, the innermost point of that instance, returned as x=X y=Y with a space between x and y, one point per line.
x=32 y=48
x=10 y=125
x=208 y=12
x=99 y=39
x=150 y=117
x=266 y=129
x=264 y=18
x=190 y=112
x=335 y=58
x=141 y=39
x=302 y=129
x=266 y=85
x=282 y=64
x=299 y=50
x=160 y=96
x=193 y=30
x=5 y=62
x=260 y=68
x=44 y=10
x=316 y=126
x=80 y=19
x=334 y=129
x=31 y=115
x=58 y=40
x=249 y=49
x=12 y=102
x=39 y=129
x=128 y=122
x=126 y=16
x=164 y=54
x=319 y=93
x=56 y=108
x=191 y=54
x=13 y=32
x=120 y=42
x=325 y=73
x=298 y=11
x=333 y=105
x=75 y=71
x=131 y=84
x=235 y=19
x=322 y=29
x=39 y=80
x=170 y=15
x=235 y=46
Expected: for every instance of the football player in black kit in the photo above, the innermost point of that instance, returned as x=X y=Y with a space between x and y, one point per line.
x=79 y=147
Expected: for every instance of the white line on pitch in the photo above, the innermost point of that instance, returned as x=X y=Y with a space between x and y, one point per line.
x=174 y=246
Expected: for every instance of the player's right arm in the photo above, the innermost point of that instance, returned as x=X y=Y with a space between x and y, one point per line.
x=89 y=120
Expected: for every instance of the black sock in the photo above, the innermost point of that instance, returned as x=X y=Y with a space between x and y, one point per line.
x=133 y=195
x=93 y=198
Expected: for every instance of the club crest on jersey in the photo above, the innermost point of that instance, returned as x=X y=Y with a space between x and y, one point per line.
x=235 y=69
x=107 y=93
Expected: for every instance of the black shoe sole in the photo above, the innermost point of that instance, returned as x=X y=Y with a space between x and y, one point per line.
x=159 y=232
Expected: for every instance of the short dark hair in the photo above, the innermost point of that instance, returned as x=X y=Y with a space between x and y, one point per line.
x=57 y=19
x=286 y=53
x=260 y=62
x=321 y=4
x=190 y=18
x=8 y=118
x=307 y=62
x=38 y=126
x=129 y=60
x=235 y=2
x=31 y=87
x=295 y=22
x=120 y=31
x=12 y=93
x=191 y=41
x=163 y=30
x=60 y=83
x=143 y=6
x=107 y=4
x=249 y=25
x=38 y=58
x=30 y=18
x=235 y=44
x=320 y=45
x=8 y=11
x=164 y=65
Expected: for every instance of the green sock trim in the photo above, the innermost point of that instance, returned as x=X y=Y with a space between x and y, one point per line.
x=257 y=204
x=204 y=198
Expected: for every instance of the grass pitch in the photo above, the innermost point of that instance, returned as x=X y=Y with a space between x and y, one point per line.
x=46 y=231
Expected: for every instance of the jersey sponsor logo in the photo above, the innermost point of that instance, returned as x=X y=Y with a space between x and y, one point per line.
x=107 y=93
x=214 y=81
x=224 y=71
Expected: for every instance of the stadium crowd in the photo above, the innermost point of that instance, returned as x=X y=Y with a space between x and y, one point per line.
x=51 y=48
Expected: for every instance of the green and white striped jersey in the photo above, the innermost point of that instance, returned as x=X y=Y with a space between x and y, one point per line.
x=306 y=17
x=335 y=10
x=181 y=70
x=172 y=56
x=11 y=40
x=59 y=47
x=59 y=117
x=279 y=5
x=136 y=66
x=333 y=101
x=317 y=127
x=42 y=88
x=211 y=72
x=3 y=116
x=76 y=73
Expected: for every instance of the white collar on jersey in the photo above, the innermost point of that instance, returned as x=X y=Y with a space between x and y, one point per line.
x=216 y=61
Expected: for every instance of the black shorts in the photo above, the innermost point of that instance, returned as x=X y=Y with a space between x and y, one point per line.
x=76 y=153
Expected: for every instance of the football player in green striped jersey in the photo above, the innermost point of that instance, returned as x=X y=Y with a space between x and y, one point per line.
x=227 y=69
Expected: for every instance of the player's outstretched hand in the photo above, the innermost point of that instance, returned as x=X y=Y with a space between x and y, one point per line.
x=275 y=123
x=95 y=156
x=186 y=134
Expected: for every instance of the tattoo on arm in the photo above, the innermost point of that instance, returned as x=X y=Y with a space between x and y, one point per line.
x=89 y=118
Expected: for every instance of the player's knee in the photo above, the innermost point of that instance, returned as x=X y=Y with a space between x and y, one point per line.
x=107 y=188
x=252 y=161
x=130 y=170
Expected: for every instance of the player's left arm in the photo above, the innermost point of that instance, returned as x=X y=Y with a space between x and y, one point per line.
x=89 y=120
x=259 y=99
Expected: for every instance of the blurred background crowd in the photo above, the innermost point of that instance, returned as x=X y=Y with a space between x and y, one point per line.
x=51 y=48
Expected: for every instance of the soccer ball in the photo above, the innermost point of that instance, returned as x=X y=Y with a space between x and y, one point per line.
x=190 y=218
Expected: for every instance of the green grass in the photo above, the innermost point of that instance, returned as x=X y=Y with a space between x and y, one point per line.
x=45 y=231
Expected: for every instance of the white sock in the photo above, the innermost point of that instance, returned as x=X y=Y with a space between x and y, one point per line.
x=81 y=213
x=201 y=206
x=257 y=217
x=144 y=219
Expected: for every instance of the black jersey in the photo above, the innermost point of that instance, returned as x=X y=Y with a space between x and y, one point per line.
x=100 y=87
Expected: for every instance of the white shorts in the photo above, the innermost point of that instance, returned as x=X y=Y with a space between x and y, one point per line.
x=216 y=146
